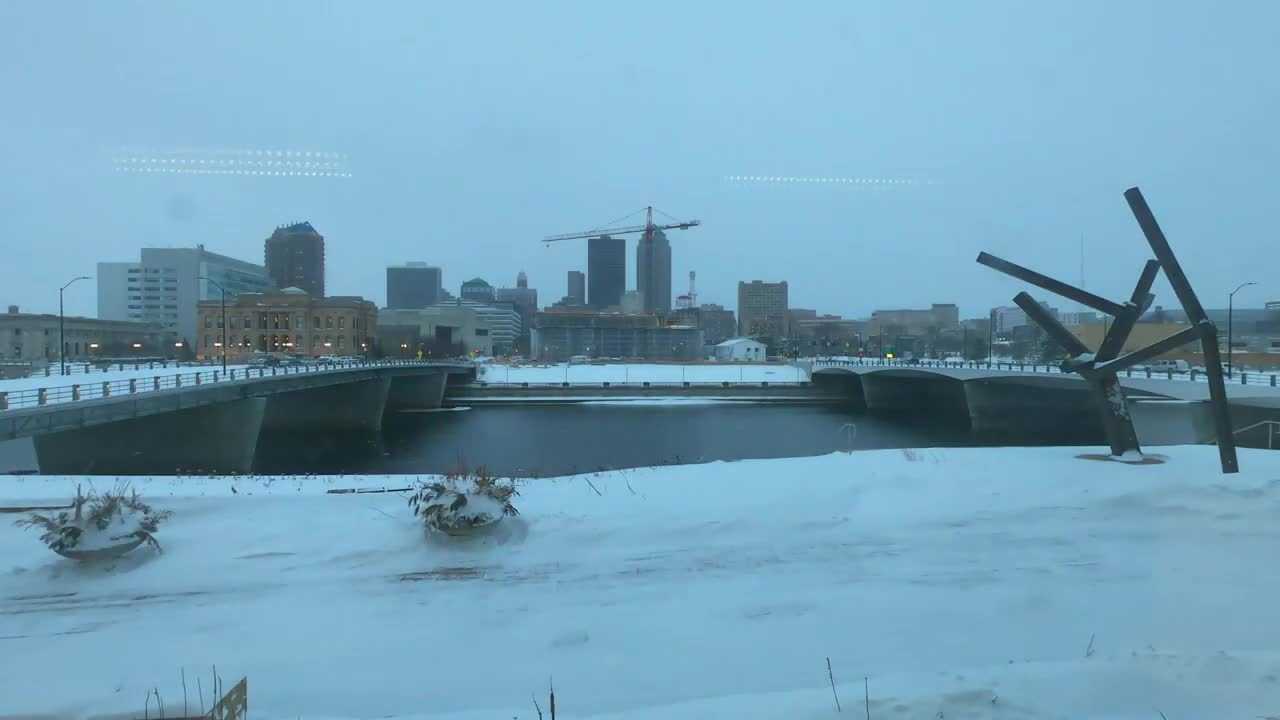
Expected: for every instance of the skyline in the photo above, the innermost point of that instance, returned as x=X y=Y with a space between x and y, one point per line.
x=1011 y=129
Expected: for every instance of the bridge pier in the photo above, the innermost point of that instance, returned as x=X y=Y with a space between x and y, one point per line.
x=914 y=392
x=845 y=385
x=1027 y=408
x=417 y=392
x=350 y=406
x=216 y=438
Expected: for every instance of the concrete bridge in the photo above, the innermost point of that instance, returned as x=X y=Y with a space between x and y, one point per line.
x=1020 y=400
x=210 y=421
x=502 y=393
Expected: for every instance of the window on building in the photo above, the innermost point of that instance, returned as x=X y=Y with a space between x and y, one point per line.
x=342 y=322
x=482 y=332
x=341 y=344
x=315 y=321
x=206 y=341
x=328 y=322
x=134 y=271
x=208 y=321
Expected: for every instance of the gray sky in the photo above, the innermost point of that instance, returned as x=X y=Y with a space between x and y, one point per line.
x=473 y=129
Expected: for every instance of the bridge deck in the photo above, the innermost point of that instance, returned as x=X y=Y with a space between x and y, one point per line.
x=43 y=410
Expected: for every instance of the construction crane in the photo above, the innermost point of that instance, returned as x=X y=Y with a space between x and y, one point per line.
x=647 y=227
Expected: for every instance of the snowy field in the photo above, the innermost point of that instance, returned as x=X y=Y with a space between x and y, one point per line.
x=642 y=372
x=964 y=583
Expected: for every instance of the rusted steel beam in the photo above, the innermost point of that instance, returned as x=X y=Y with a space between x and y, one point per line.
x=1050 y=324
x=1054 y=286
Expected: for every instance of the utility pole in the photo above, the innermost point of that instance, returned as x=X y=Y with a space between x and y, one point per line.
x=1231 y=311
x=62 y=323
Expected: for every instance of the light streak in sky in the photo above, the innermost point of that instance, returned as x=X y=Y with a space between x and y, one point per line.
x=248 y=162
x=825 y=180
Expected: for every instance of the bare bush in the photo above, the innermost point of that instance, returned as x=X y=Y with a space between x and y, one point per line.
x=113 y=517
x=463 y=501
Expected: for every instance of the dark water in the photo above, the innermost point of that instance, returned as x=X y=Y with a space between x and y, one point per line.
x=543 y=440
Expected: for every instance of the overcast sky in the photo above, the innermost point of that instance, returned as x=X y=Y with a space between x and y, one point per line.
x=473 y=129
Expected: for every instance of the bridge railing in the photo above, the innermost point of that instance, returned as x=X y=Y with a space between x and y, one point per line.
x=515 y=384
x=1193 y=375
x=89 y=390
x=80 y=367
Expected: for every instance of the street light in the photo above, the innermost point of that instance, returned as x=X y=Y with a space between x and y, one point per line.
x=62 y=322
x=223 y=344
x=1230 y=310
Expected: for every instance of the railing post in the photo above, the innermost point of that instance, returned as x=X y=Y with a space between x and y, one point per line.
x=1244 y=378
x=75 y=392
x=215 y=376
x=106 y=388
x=177 y=381
x=42 y=396
x=1273 y=381
x=4 y=401
x=197 y=378
x=1170 y=374
x=232 y=374
x=46 y=371
x=155 y=382
x=133 y=386
x=273 y=372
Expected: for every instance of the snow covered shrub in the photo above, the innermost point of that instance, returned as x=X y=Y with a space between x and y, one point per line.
x=106 y=525
x=463 y=501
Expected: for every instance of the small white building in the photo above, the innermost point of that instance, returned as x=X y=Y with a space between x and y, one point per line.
x=740 y=349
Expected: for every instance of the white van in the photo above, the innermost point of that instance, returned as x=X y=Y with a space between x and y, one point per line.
x=1179 y=366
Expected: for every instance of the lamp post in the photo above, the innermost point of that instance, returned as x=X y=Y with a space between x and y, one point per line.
x=1230 y=311
x=224 y=318
x=62 y=322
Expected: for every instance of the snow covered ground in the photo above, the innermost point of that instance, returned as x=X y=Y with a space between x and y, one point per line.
x=642 y=372
x=964 y=583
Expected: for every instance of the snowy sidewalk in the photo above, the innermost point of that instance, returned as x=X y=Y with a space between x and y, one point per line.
x=966 y=582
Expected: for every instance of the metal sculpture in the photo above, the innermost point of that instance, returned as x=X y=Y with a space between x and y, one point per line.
x=1099 y=368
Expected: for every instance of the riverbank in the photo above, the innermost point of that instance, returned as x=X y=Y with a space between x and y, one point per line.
x=1005 y=582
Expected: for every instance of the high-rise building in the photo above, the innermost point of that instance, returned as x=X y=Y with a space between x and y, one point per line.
x=577 y=287
x=653 y=271
x=294 y=256
x=606 y=271
x=166 y=285
x=477 y=290
x=633 y=302
x=413 y=285
x=525 y=301
x=762 y=309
